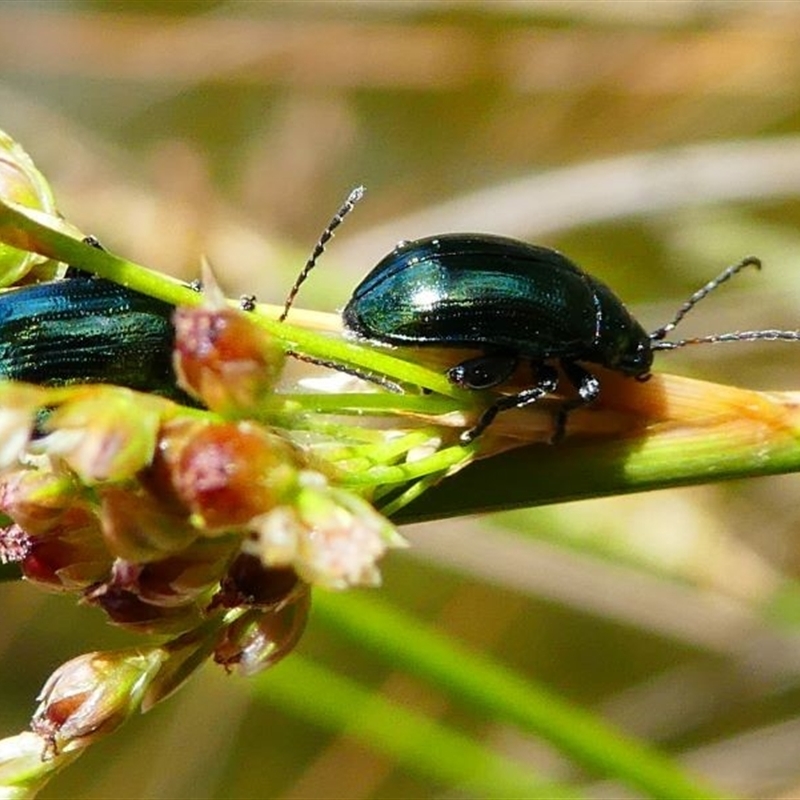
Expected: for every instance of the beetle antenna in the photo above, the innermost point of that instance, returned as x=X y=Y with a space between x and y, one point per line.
x=737 y=336
x=319 y=247
x=660 y=333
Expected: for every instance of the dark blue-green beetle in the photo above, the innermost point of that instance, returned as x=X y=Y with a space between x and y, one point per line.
x=83 y=329
x=514 y=302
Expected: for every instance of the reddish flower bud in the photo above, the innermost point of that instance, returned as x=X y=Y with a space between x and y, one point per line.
x=224 y=359
x=224 y=473
x=181 y=578
x=71 y=557
x=166 y=595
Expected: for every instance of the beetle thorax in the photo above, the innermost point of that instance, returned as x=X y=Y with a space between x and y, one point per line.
x=621 y=343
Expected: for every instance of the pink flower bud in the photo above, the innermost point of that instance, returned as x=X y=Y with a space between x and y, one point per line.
x=329 y=536
x=106 y=433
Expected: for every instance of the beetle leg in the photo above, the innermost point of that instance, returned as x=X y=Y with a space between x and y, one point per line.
x=547 y=383
x=75 y=272
x=588 y=387
x=483 y=372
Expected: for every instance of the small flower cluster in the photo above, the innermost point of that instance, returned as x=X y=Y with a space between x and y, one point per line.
x=142 y=506
x=206 y=527
x=202 y=524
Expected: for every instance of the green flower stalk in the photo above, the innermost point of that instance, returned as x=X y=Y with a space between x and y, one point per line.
x=23 y=771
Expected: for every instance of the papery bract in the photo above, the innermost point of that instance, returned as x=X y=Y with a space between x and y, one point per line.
x=138 y=527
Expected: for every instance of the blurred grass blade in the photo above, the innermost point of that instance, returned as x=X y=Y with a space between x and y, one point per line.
x=419 y=744
x=485 y=685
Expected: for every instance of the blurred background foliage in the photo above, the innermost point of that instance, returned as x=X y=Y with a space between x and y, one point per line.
x=653 y=142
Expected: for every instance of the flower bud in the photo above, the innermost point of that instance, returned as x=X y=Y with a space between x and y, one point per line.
x=329 y=536
x=105 y=433
x=260 y=639
x=69 y=561
x=37 y=499
x=224 y=474
x=92 y=695
x=225 y=360
x=138 y=527
x=181 y=578
x=168 y=595
x=23 y=184
x=56 y=535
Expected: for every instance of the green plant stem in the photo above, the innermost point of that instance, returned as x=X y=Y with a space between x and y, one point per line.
x=20 y=228
x=543 y=474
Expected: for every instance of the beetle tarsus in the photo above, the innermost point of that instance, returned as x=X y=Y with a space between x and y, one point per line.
x=93 y=241
x=247 y=302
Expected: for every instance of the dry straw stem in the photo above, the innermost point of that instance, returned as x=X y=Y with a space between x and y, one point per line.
x=670 y=431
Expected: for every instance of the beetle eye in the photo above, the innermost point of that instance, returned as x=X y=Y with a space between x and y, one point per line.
x=483 y=372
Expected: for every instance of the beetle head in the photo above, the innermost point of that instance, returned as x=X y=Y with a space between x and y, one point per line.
x=636 y=359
